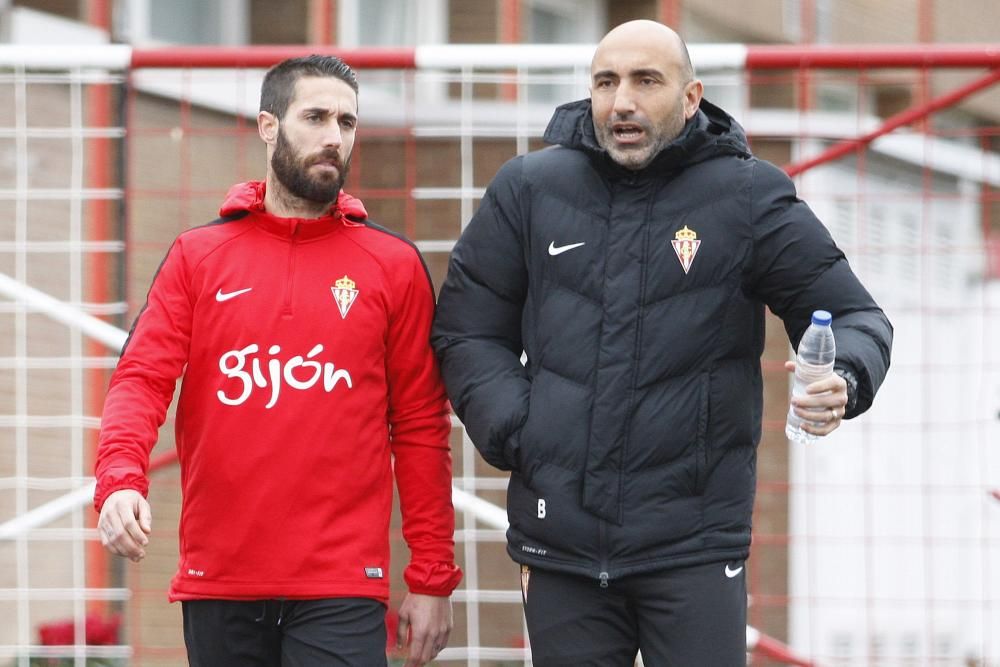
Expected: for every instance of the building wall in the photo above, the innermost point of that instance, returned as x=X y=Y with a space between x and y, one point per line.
x=717 y=22
x=285 y=22
x=473 y=22
x=70 y=9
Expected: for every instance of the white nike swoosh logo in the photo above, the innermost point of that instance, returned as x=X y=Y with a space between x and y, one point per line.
x=226 y=296
x=558 y=250
x=733 y=573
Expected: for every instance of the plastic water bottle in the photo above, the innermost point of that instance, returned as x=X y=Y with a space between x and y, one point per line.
x=813 y=361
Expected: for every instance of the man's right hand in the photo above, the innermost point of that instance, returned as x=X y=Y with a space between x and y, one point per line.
x=125 y=524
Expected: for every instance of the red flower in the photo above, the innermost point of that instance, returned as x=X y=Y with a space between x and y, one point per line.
x=98 y=631
x=102 y=632
x=56 y=632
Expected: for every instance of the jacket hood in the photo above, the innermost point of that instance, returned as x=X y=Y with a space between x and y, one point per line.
x=249 y=196
x=709 y=133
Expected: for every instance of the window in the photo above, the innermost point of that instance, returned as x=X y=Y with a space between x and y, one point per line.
x=183 y=22
x=561 y=22
x=824 y=21
x=391 y=22
x=792 y=19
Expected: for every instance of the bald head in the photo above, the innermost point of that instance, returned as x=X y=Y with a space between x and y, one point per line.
x=656 y=39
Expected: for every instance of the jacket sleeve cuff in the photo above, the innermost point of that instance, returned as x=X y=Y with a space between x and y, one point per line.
x=432 y=578
x=102 y=491
x=852 y=389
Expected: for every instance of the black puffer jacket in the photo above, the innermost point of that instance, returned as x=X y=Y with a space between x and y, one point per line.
x=631 y=430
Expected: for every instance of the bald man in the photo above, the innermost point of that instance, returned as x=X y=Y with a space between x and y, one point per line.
x=631 y=263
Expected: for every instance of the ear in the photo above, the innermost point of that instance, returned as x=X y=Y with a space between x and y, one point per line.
x=267 y=127
x=693 y=92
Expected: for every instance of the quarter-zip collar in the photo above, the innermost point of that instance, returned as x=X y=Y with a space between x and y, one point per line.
x=249 y=196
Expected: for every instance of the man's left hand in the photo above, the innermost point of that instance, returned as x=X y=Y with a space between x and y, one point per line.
x=425 y=622
x=824 y=404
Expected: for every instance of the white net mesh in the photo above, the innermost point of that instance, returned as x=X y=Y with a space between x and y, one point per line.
x=48 y=250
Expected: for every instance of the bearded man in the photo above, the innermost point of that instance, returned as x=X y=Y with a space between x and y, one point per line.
x=301 y=330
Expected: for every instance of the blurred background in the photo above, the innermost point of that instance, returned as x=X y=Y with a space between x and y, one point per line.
x=879 y=545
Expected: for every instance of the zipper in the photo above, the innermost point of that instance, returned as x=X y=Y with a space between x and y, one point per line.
x=701 y=435
x=286 y=310
x=603 y=576
x=602 y=545
x=635 y=364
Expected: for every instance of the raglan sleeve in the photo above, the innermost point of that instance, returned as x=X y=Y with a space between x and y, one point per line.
x=143 y=382
x=797 y=268
x=477 y=329
x=419 y=428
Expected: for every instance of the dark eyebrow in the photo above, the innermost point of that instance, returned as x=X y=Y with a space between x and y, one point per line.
x=326 y=112
x=648 y=71
x=645 y=71
x=315 y=110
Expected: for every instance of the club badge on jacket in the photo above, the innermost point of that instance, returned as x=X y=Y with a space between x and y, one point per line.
x=686 y=245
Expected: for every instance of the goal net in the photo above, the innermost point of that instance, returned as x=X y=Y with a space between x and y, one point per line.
x=876 y=544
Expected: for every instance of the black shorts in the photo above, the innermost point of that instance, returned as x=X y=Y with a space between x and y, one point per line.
x=285 y=633
x=686 y=616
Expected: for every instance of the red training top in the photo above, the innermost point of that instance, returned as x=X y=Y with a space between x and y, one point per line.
x=309 y=380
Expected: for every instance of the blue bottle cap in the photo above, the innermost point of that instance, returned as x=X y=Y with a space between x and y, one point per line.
x=822 y=318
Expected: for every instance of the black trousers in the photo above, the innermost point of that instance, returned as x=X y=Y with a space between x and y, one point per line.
x=345 y=632
x=685 y=617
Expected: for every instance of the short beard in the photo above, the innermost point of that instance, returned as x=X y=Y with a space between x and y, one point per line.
x=635 y=158
x=660 y=136
x=293 y=173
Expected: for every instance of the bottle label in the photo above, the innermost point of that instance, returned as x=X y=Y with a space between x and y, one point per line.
x=812 y=372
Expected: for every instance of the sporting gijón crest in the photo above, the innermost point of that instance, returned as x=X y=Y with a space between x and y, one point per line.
x=686 y=245
x=345 y=293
